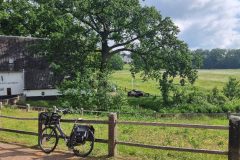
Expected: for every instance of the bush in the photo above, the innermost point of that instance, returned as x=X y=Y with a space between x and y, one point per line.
x=116 y=62
x=88 y=93
x=153 y=103
x=232 y=106
x=232 y=88
x=216 y=97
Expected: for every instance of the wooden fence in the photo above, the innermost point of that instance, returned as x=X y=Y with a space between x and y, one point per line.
x=112 y=141
x=155 y=115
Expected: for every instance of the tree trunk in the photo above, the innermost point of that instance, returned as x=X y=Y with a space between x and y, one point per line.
x=105 y=53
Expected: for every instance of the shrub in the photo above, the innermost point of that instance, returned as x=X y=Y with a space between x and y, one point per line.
x=146 y=102
x=116 y=62
x=88 y=93
x=232 y=88
x=232 y=106
x=216 y=97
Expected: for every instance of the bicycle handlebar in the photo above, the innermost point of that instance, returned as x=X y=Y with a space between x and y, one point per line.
x=64 y=111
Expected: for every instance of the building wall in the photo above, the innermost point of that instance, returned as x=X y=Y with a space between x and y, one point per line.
x=41 y=93
x=13 y=81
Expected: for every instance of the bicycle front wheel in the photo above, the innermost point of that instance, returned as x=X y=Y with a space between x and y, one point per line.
x=48 y=139
x=83 y=149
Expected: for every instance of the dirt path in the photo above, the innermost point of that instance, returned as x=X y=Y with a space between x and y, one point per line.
x=19 y=152
x=10 y=151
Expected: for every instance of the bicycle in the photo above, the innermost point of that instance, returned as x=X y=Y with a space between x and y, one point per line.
x=81 y=139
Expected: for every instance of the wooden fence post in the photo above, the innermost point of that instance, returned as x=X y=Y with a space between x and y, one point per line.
x=155 y=114
x=39 y=128
x=112 y=135
x=228 y=114
x=54 y=109
x=28 y=107
x=82 y=110
x=234 y=138
x=1 y=105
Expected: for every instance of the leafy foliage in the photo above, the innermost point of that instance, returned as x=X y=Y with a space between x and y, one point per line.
x=217 y=97
x=116 y=62
x=232 y=88
x=83 y=92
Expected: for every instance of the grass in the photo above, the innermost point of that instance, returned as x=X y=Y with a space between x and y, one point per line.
x=207 y=79
x=178 y=137
x=167 y=136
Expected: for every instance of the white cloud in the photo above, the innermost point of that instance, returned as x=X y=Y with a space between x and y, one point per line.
x=204 y=23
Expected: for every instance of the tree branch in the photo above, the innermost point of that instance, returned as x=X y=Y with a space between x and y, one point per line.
x=90 y=25
x=98 y=50
x=125 y=43
x=122 y=49
x=93 y=21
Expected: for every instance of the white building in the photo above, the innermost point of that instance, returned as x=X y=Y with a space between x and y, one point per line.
x=126 y=58
x=11 y=83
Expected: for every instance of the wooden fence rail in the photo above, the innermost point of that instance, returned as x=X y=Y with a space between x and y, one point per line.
x=156 y=115
x=218 y=127
x=174 y=148
x=234 y=134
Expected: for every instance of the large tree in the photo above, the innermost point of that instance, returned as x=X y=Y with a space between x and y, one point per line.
x=85 y=34
x=118 y=25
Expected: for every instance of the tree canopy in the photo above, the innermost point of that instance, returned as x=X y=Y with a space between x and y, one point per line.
x=219 y=58
x=85 y=34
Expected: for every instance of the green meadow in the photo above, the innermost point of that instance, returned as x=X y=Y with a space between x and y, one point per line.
x=207 y=79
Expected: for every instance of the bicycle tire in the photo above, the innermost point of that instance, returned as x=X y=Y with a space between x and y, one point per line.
x=54 y=135
x=90 y=138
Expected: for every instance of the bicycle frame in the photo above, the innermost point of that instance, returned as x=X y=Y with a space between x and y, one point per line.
x=60 y=130
x=62 y=134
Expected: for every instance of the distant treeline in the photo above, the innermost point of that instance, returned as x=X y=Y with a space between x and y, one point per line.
x=219 y=58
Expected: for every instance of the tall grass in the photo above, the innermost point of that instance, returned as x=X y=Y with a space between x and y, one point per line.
x=207 y=79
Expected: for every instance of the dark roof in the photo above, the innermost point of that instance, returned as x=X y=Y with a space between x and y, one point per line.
x=13 y=48
x=15 y=56
x=39 y=79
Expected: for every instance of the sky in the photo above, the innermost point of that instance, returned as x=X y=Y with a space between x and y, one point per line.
x=203 y=24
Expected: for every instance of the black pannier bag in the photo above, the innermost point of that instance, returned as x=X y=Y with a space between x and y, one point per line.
x=49 y=118
x=81 y=133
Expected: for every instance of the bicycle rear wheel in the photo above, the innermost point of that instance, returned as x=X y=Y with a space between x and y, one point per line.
x=85 y=148
x=48 y=139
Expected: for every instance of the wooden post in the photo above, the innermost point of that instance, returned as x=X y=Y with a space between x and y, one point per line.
x=234 y=138
x=1 y=105
x=28 y=107
x=54 y=109
x=82 y=110
x=39 y=128
x=112 y=135
x=118 y=115
x=155 y=114
x=228 y=114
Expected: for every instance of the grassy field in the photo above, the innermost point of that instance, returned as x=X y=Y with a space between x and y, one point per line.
x=179 y=137
x=207 y=79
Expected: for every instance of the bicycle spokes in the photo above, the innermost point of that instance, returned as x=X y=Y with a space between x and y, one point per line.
x=48 y=139
x=83 y=148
